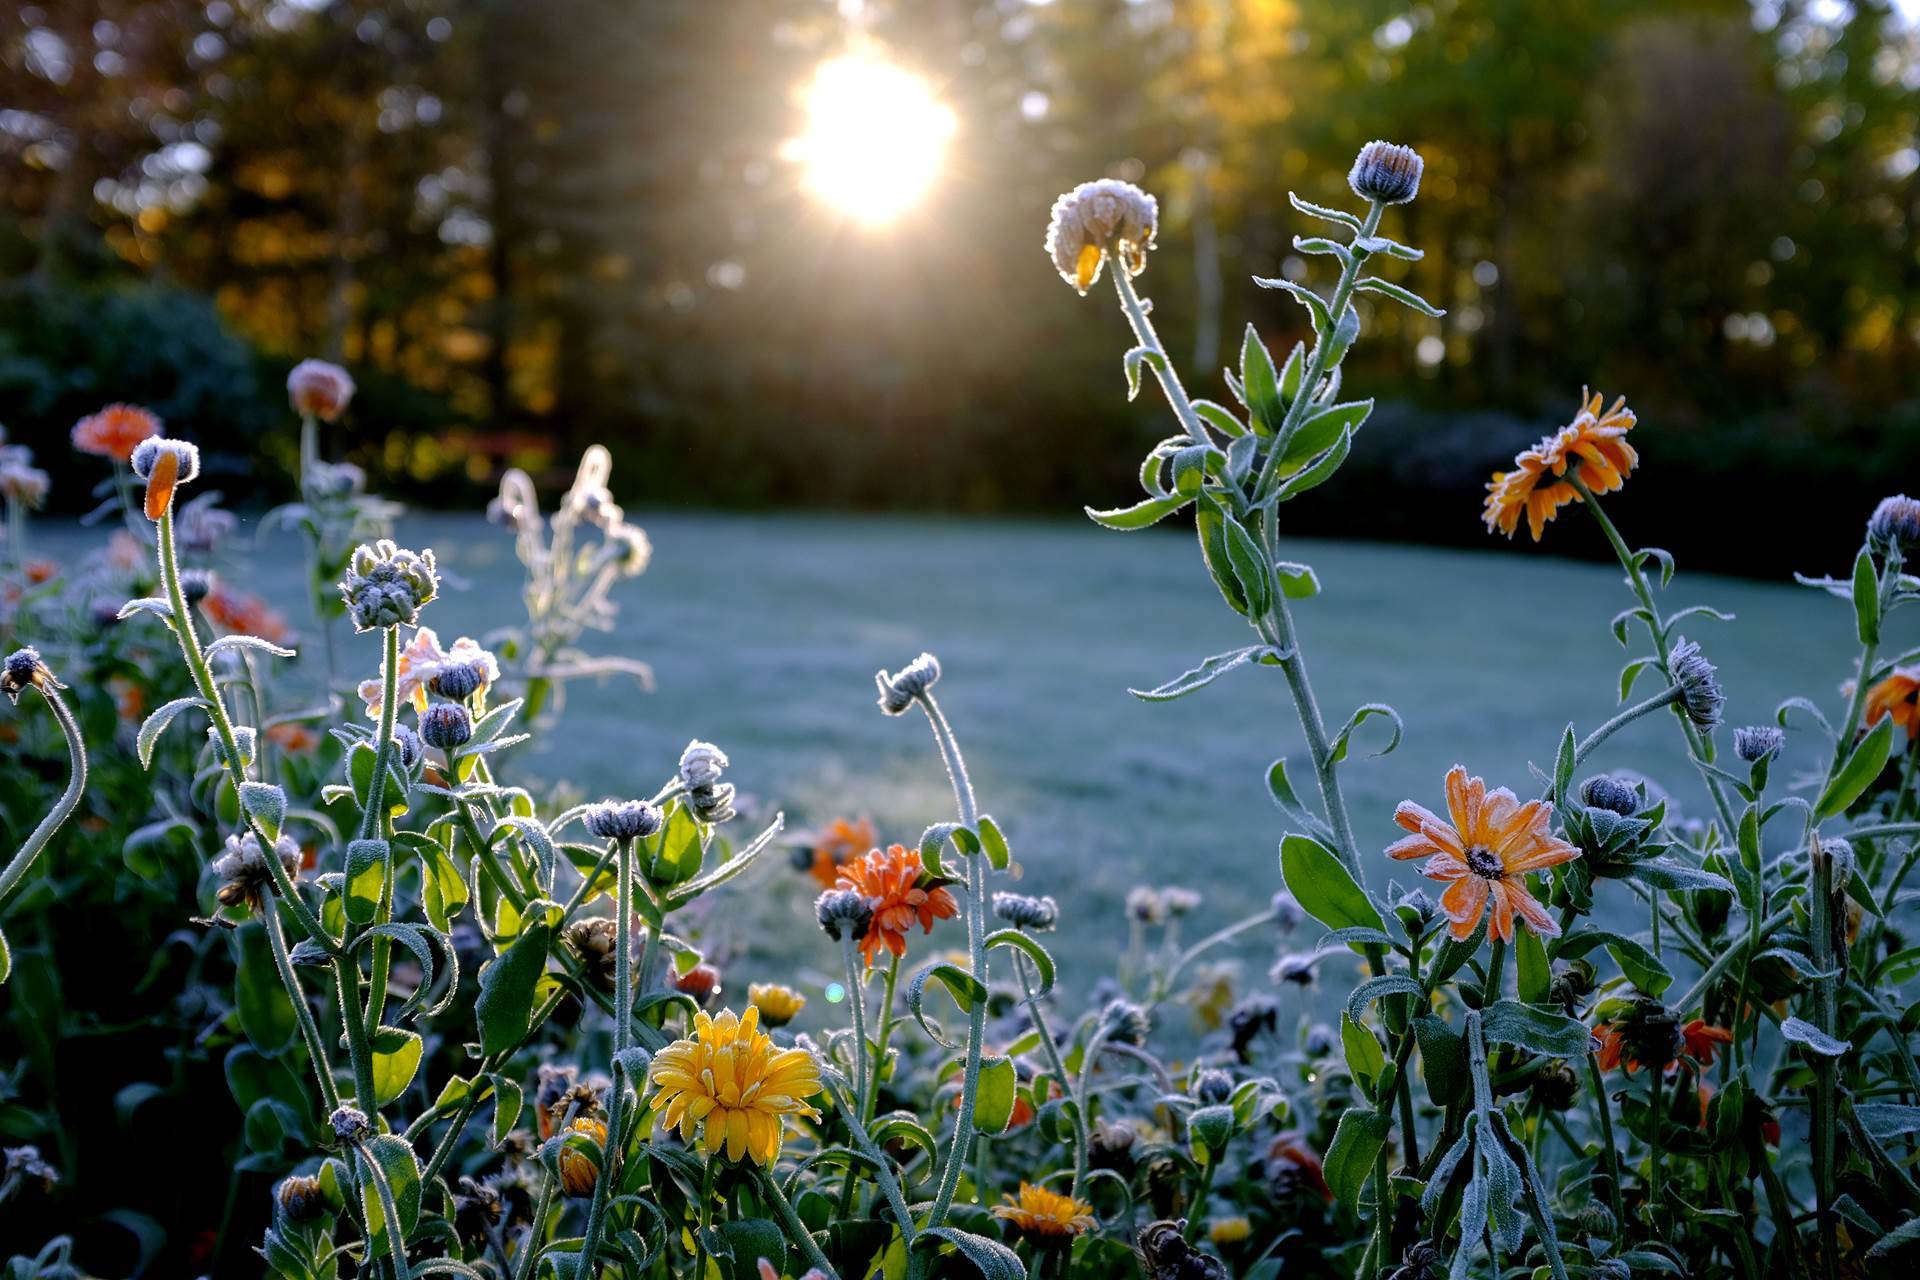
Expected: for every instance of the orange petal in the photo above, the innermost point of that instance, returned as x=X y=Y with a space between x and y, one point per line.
x=160 y=482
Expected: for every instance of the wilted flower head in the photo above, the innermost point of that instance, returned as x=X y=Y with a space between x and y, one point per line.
x=702 y=982
x=164 y=464
x=1095 y=218
x=624 y=819
x=244 y=868
x=1125 y=1022
x=1555 y=1086
x=1644 y=1034
x=1168 y=1255
x=1895 y=524
x=843 y=913
x=115 y=431
x=351 y=1124
x=596 y=940
x=408 y=748
x=1605 y=791
x=1295 y=967
x=714 y=804
x=446 y=725
x=1035 y=915
x=318 y=389
x=1386 y=172
x=898 y=691
x=387 y=585
x=301 y=1199
x=23 y=668
x=1700 y=691
x=701 y=764
x=1757 y=741
x=1248 y=1020
x=477 y=1208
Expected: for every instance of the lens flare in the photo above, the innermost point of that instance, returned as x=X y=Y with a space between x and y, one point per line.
x=874 y=138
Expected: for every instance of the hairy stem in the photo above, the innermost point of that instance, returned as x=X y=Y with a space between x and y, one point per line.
x=38 y=839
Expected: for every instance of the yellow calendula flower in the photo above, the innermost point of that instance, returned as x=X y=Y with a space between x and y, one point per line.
x=1043 y=1214
x=1229 y=1230
x=778 y=1005
x=731 y=1084
x=578 y=1172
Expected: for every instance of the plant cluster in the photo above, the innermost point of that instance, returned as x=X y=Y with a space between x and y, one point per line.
x=475 y=1033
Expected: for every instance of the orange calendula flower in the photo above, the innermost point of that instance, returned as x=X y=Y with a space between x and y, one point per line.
x=578 y=1171
x=1484 y=854
x=1897 y=696
x=838 y=845
x=1041 y=1213
x=245 y=614
x=1704 y=1041
x=732 y=1085
x=294 y=738
x=897 y=887
x=1593 y=445
x=115 y=431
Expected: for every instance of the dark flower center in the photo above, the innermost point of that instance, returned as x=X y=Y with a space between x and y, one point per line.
x=1485 y=863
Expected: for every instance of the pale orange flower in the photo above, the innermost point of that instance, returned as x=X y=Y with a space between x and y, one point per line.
x=245 y=614
x=1594 y=444
x=839 y=844
x=114 y=431
x=1484 y=854
x=40 y=571
x=1897 y=696
x=1703 y=1041
x=293 y=738
x=896 y=886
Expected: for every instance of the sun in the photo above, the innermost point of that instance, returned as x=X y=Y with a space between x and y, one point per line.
x=874 y=138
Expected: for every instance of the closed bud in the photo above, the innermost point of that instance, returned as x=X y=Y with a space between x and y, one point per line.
x=1211 y=1086
x=897 y=691
x=1386 y=172
x=317 y=389
x=387 y=585
x=701 y=765
x=1755 y=742
x=446 y=725
x=1895 y=525
x=1125 y=1022
x=624 y=819
x=1604 y=791
x=843 y=913
x=1700 y=692
x=23 y=668
x=1035 y=915
x=579 y=1171
x=459 y=680
x=351 y=1125
x=301 y=1199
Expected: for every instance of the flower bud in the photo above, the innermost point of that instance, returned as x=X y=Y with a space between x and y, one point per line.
x=351 y=1125
x=1168 y=1256
x=579 y=1172
x=897 y=691
x=164 y=464
x=1386 y=172
x=624 y=819
x=446 y=725
x=459 y=680
x=1617 y=795
x=1145 y=905
x=778 y=1004
x=408 y=748
x=1700 y=691
x=1110 y=1145
x=712 y=805
x=1756 y=742
x=23 y=668
x=387 y=586
x=195 y=584
x=245 y=869
x=317 y=389
x=1035 y=915
x=1319 y=1041
x=1211 y=1086
x=301 y=1199
x=1125 y=1022
x=1555 y=1086
x=1895 y=524
x=701 y=765
x=1248 y=1020
x=1287 y=912
x=843 y=912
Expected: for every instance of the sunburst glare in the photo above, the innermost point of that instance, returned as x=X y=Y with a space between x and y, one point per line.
x=874 y=137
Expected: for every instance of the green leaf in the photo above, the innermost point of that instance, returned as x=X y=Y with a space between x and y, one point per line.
x=1812 y=1038
x=396 y=1057
x=1866 y=598
x=1249 y=566
x=253 y=644
x=1644 y=969
x=6 y=959
x=507 y=987
x=1337 y=216
x=266 y=804
x=155 y=724
x=508 y=1101
x=1297 y=581
x=1537 y=1030
x=961 y=985
x=1350 y=1157
x=993 y=1260
x=1221 y=418
x=266 y=1014
x=1209 y=1129
x=1338 y=751
x=1443 y=1058
x=1320 y=431
x=1664 y=873
x=1861 y=768
x=1262 y=384
x=369 y=863
x=396 y=1161
x=737 y=1245
x=1042 y=961
x=1388 y=984
x=1365 y=1059
x=1405 y=297
x=998 y=1090
x=1532 y=971
x=1320 y=472
x=1141 y=514
x=999 y=856
x=1203 y=675
x=1209 y=523
x=1324 y=887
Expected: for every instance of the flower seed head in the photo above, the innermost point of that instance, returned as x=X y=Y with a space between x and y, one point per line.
x=318 y=389
x=1700 y=691
x=1895 y=524
x=898 y=691
x=446 y=725
x=1555 y=1086
x=843 y=913
x=1386 y=172
x=624 y=819
x=1125 y=1022
x=243 y=866
x=23 y=668
x=1211 y=1086
x=387 y=586
x=1604 y=791
x=1035 y=915
x=1097 y=218
x=701 y=765
x=1756 y=742
x=596 y=940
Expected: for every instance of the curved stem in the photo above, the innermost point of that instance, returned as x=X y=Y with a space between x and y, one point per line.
x=796 y=1229
x=1057 y=1065
x=1608 y=1151
x=38 y=839
x=309 y=1028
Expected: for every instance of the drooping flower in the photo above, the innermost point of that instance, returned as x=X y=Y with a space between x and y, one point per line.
x=1700 y=692
x=1483 y=855
x=423 y=662
x=1898 y=696
x=1703 y=1041
x=1386 y=172
x=1022 y=911
x=1594 y=445
x=165 y=465
x=1643 y=1034
x=1042 y=1214
x=778 y=1004
x=729 y=1083
x=900 y=688
x=244 y=868
x=318 y=389
x=1097 y=218
x=115 y=431
x=896 y=885
x=841 y=842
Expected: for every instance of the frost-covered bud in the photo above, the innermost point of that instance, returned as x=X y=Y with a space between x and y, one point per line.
x=1287 y=912
x=300 y=1199
x=23 y=668
x=459 y=680
x=1604 y=791
x=1247 y=1020
x=1211 y=1086
x=1386 y=172
x=1295 y=967
x=701 y=765
x=624 y=819
x=897 y=691
x=244 y=867
x=843 y=913
x=1319 y=1040
x=1035 y=915
x=1125 y=1022
x=25 y=1162
x=1096 y=218
x=478 y=1207
x=1179 y=901
x=1895 y=524
x=245 y=743
x=1417 y=907
x=195 y=584
x=333 y=481
x=386 y=585
x=1755 y=742
x=702 y=982
x=351 y=1125
x=712 y=805
x=317 y=389
x=1168 y=1255
x=1110 y=1145
x=408 y=748
x=1700 y=691
x=1145 y=905
x=1573 y=981
x=164 y=464
x=446 y=725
